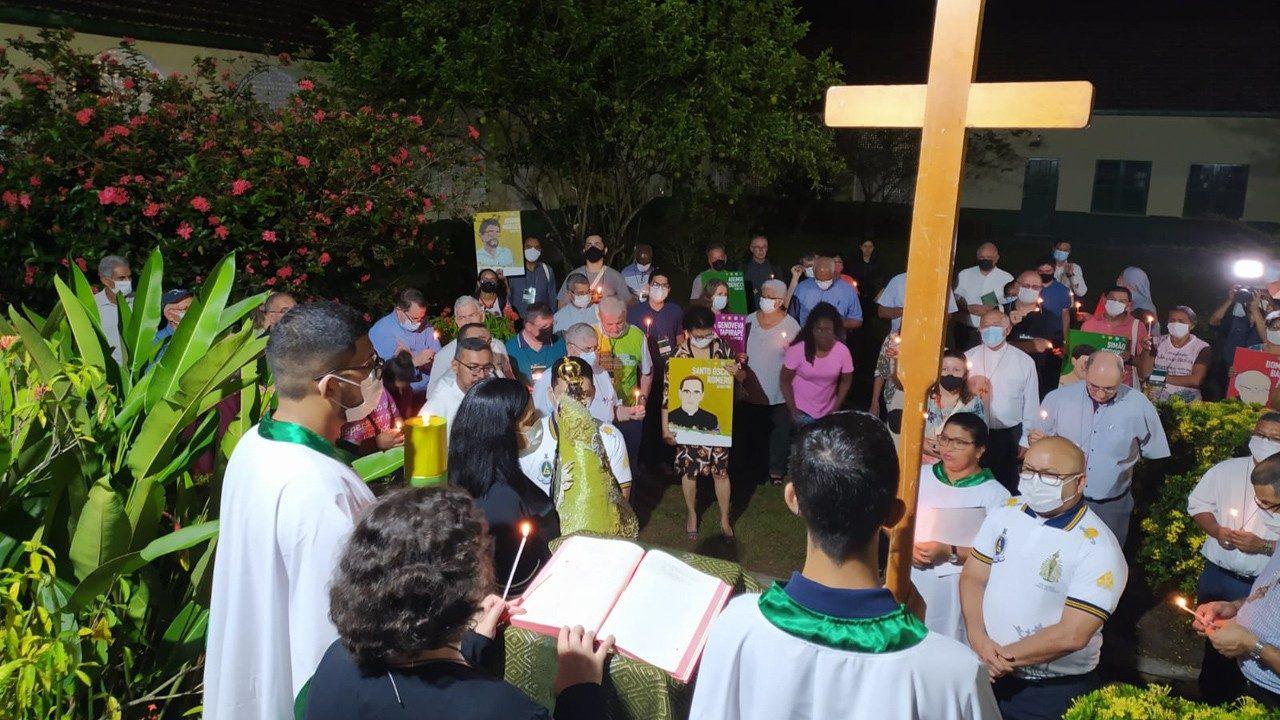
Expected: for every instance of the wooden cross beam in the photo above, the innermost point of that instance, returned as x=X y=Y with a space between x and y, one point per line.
x=944 y=108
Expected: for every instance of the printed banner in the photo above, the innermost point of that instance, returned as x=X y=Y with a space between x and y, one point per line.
x=1253 y=375
x=737 y=288
x=499 y=242
x=700 y=401
x=732 y=328
x=1097 y=341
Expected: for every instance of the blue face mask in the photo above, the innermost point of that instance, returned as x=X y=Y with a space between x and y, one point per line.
x=1061 y=255
x=992 y=336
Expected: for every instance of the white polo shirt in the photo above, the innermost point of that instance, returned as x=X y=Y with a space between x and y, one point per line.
x=894 y=295
x=1041 y=566
x=1226 y=487
x=1015 y=386
x=538 y=461
x=971 y=285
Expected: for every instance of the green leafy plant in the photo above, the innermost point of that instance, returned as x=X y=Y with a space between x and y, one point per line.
x=446 y=328
x=1127 y=702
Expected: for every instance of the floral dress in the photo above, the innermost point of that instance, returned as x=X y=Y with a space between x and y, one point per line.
x=698 y=460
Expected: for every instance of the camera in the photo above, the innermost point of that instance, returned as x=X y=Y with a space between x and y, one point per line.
x=1245 y=294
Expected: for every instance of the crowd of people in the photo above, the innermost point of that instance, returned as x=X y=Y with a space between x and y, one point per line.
x=368 y=605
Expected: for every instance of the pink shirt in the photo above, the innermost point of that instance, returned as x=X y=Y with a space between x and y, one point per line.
x=814 y=386
x=1124 y=327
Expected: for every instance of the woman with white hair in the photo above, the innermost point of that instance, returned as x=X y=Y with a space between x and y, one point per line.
x=770 y=331
x=1180 y=362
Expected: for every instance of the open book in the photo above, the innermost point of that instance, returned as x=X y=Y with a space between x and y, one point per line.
x=658 y=608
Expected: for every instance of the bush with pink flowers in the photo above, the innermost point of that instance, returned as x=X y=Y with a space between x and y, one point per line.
x=99 y=155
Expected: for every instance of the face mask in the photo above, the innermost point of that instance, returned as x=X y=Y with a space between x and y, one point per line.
x=657 y=293
x=1046 y=278
x=1027 y=295
x=717 y=265
x=488 y=286
x=545 y=336
x=593 y=254
x=532 y=254
x=992 y=336
x=410 y=325
x=718 y=302
x=581 y=301
x=1179 y=330
x=643 y=267
x=590 y=359
x=768 y=305
x=985 y=265
x=951 y=383
x=808 y=272
x=1262 y=448
x=1273 y=336
x=177 y=318
x=1115 y=307
x=370 y=392
x=1061 y=255
x=124 y=287
x=1038 y=495
x=702 y=342
x=824 y=284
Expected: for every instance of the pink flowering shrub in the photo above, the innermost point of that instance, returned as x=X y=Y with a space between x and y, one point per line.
x=101 y=156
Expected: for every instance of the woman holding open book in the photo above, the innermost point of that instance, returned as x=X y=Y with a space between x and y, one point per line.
x=414 y=621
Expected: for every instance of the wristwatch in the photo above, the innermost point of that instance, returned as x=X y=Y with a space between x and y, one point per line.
x=955 y=557
x=1256 y=654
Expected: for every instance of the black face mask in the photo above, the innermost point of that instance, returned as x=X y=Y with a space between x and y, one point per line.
x=545 y=336
x=951 y=383
x=593 y=254
x=1046 y=278
x=985 y=265
x=488 y=286
x=717 y=265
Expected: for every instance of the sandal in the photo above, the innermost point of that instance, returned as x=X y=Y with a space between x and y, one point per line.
x=691 y=534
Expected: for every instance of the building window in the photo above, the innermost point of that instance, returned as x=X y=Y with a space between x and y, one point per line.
x=1216 y=191
x=1120 y=186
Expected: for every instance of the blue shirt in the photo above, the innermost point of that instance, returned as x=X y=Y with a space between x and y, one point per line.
x=841 y=294
x=163 y=336
x=1056 y=298
x=384 y=334
x=1260 y=615
x=523 y=357
x=636 y=278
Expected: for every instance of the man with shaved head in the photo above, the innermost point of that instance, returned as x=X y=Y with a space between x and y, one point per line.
x=1042 y=577
x=1037 y=331
x=1114 y=425
x=822 y=287
x=979 y=288
x=624 y=354
x=582 y=341
x=1005 y=378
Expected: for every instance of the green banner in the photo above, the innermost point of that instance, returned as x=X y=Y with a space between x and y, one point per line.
x=737 y=288
x=1098 y=341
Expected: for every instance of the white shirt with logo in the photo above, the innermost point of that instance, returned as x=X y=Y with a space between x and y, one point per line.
x=1040 y=567
x=1226 y=487
x=538 y=461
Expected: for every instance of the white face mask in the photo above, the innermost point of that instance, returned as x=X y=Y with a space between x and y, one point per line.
x=1179 y=330
x=590 y=359
x=657 y=293
x=718 y=302
x=768 y=305
x=1273 y=337
x=808 y=272
x=370 y=392
x=1262 y=448
x=1027 y=296
x=992 y=336
x=532 y=254
x=125 y=287
x=1115 y=307
x=644 y=268
x=824 y=284
x=410 y=325
x=178 y=315
x=1039 y=496
x=581 y=301
x=701 y=342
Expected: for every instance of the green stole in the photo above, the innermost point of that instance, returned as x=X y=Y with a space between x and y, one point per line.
x=977 y=478
x=282 y=431
x=892 y=632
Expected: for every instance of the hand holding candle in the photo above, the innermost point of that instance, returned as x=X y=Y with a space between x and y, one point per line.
x=525 y=528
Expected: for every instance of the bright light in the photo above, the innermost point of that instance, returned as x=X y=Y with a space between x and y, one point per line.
x=1247 y=269
x=525 y=527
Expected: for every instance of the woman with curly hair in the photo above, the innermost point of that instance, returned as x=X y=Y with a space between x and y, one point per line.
x=411 y=606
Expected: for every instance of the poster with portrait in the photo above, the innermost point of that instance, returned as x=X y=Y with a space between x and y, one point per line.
x=1097 y=341
x=732 y=328
x=737 y=288
x=499 y=242
x=700 y=401
x=1254 y=375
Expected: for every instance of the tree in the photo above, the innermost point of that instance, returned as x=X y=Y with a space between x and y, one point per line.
x=591 y=109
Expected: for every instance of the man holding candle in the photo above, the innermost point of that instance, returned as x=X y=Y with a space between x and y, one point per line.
x=1042 y=577
x=582 y=304
x=1005 y=378
x=661 y=321
x=1037 y=331
x=1248 y=630
x=1226 y=504
x=582 y=341
x=637 y=273
x=288 y=495
x=405 y=328
x=534 y=348
x=624 y=354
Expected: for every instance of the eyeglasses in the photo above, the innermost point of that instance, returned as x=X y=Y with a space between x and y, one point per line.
x=1269 y=507
x=1102 y=390
x=1048 y=478
x=953 y=442
x=374 y=367
x=486 y=369
x=1266 y=437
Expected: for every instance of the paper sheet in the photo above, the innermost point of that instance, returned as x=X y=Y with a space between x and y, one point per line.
x=580 y=583
x=952 y=526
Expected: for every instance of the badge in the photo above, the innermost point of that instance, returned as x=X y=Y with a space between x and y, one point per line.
x=664 y=347
x=1000 y=543
x=1051 y=569
x=1106 y=580
x=1091 y=533
x=530 y=295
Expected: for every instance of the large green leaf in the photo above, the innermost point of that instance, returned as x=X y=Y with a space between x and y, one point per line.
x=187 y=537
x=102 y=532
x=143 y=508
x=91 y=346
x=46 y=361
x=184 y=639
x=84 y=294
x=246 y=415
x=102 y=577
x=195 y=334
x=379 y=464
x=239 y=311
x=140 y=332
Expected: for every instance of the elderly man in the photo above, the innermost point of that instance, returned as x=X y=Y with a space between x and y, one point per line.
x=472 y=363
x=467 y=311
x=1228 y=506
x=273 y=308
x=536 y=285
x=624 y=354
x=405 y=329
x=822 y=287
x=717 y=261
x=534 y=348
x=1036 y=330
x=602 y=280
x=1114 y=425
x=758 y=270
x=1043 y=576
x=117 y=281
x=582 y=341
x=582 y=303
x=1005 y=378
x=979 y=288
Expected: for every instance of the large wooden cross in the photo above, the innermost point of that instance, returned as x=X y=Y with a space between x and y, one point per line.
x=950 y=103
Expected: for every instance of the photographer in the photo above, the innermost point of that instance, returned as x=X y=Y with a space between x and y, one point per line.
x=1238 y=323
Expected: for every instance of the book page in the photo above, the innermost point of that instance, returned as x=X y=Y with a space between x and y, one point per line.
x=579 y=584
x=665 y=611
x=950 y=526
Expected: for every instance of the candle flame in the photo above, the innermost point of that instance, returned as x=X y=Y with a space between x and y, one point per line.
x=897 y=339
x=1180 y=602
x=1234 y=512
x=525 y=527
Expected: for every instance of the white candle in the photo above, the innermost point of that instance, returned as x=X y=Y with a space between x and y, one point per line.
x=525 y=527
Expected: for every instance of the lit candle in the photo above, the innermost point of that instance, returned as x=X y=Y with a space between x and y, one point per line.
x=525 y=527
x=897 y=339
x=426 y=458
x=1181 y=602
x=436 y=335
x=647 y=322
x=636 y=394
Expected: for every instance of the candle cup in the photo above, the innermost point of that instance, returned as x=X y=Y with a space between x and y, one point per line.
x=426 y=451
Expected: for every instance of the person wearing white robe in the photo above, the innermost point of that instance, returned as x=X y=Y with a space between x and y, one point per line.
x=955 y=484
x=289 y=501
x=473 y=363
x=831 y=642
